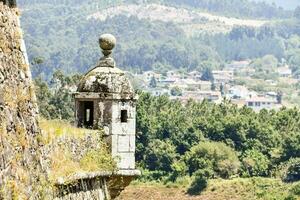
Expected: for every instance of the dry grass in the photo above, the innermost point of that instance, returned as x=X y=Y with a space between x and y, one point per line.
x=97 y=160
x=54 y=129
x=64 y=162
x=57 y=128
x=62 y=165
x=236 y=189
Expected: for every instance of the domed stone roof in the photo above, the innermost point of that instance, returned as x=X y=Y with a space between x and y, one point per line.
x=106 y=77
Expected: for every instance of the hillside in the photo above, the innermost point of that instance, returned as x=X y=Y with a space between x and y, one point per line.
x=191 y=21
x=165 y=34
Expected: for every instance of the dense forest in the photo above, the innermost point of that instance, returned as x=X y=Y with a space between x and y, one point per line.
x=62 y=37
x=220 y=140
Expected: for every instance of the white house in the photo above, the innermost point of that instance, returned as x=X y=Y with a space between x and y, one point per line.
x=158 y=91
x=204 y=85
x=212 y=96
x=237 y=65
x=238 y=92
x=284 y=71
x=221 y=77
x=258 y=103
x=191 y=84
x=199 y=96
x=195 y=75
x=148 y=75
x=174 y=75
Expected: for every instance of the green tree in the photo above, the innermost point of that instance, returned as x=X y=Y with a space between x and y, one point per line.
x=290 y=170
x=255 y=163
x=160 y=155
x=153 y=82
x=215 y=156
x=43 y=95
x=55 y=101
x=207 y=75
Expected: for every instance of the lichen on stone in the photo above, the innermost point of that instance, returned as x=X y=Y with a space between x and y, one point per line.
x=20 y=169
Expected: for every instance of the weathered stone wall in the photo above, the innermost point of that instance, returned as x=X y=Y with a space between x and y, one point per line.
x=19 y=149
x=69 y=187
x=95 y=189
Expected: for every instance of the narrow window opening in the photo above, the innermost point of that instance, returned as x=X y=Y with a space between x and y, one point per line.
x=88 y=114
x=124 y=116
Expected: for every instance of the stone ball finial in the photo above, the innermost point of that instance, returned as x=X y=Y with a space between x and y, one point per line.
x=107 y=43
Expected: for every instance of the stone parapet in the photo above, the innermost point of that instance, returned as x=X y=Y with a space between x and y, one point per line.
x=102 y=185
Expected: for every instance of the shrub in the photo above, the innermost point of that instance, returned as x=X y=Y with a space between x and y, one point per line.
x=291 y=197
x=296 y=189
x=179 y=169
x=200 y=181
x=255 y=163
x=213 y=155
x=153 y=176
x=290 y=171
x=160 y=155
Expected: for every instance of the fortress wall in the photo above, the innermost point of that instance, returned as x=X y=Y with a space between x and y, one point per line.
x=19 y=132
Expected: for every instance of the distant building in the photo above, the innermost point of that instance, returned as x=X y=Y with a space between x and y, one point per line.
x=284 y=72
x=222 y=77
x=163 y=83
x=239 y=102
x=204 y=85
x=272 y=94
x=271 y=82
x=159 y=91
x=180 y=83
x=195 y=75
x=211 y=96
x=147 y=76
x=174 y=75
x=237 y=65
x=258 y=103
x=191 y=84
x=238 y=92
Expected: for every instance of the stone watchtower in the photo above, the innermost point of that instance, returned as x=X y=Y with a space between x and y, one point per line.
x=106 y=100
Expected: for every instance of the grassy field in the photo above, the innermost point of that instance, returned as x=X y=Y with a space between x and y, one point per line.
x=236 y=189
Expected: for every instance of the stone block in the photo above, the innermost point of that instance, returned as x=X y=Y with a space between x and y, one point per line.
x=132 y=143
x=123 y=143
x=126 y=161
